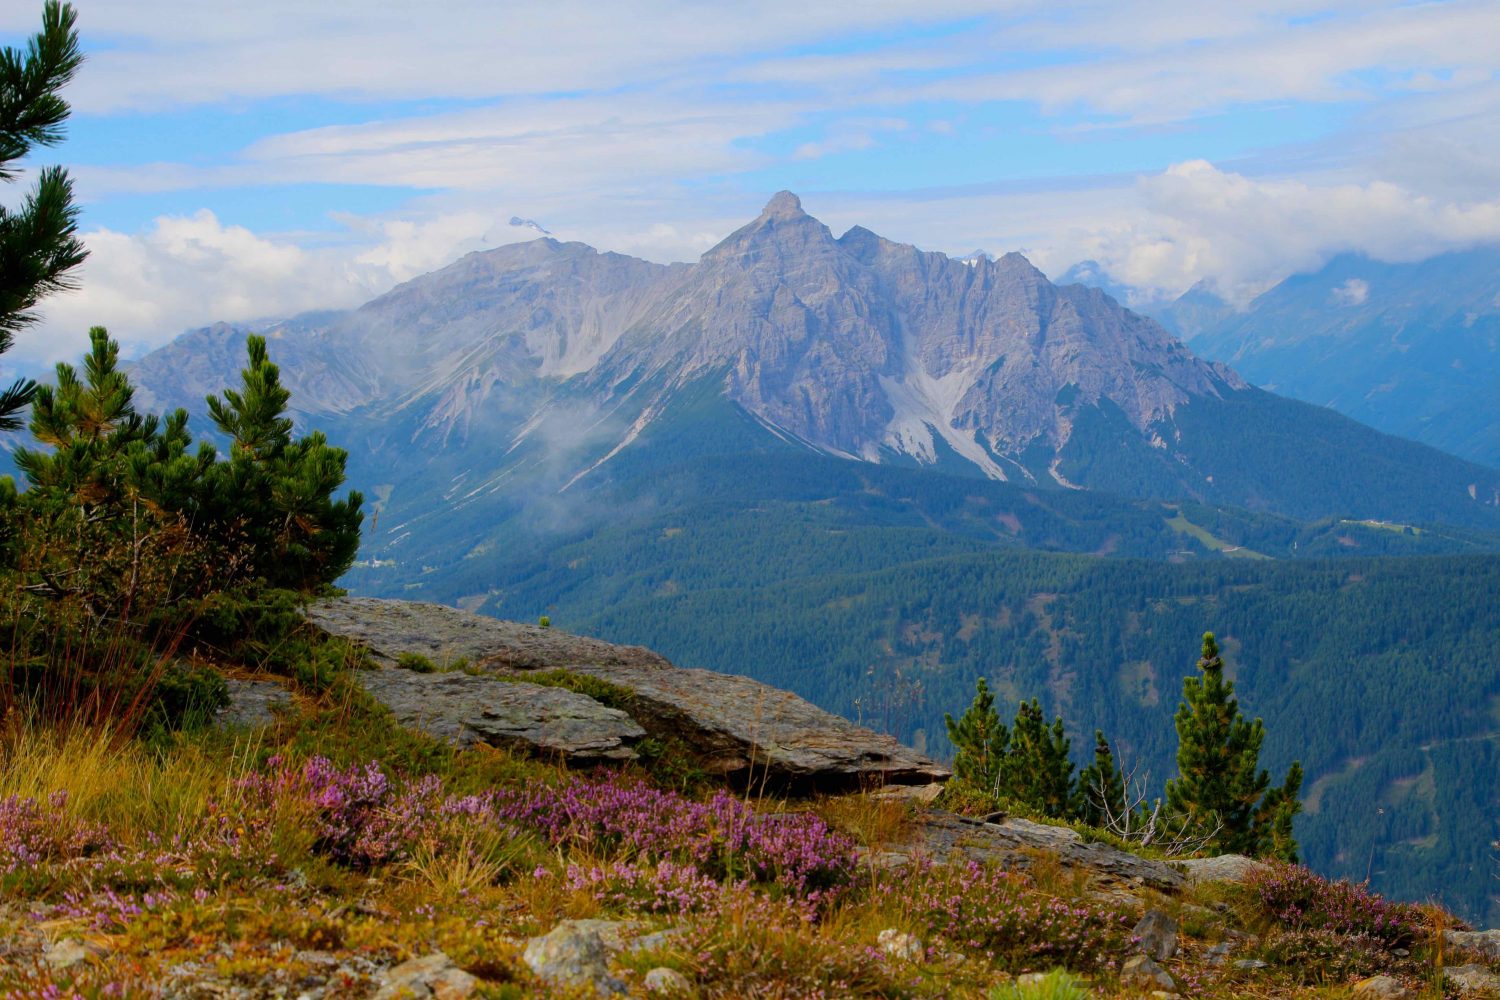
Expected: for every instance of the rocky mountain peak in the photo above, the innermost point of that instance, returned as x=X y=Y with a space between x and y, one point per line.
x=783 y=205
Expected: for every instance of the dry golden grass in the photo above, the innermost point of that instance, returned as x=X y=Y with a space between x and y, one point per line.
x=118 y=781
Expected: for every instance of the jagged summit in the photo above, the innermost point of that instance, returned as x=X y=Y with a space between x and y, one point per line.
x=783 y=205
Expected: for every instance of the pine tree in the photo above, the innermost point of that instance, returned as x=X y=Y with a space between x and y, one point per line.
x=1273 y=820
x=1038 y=773
x=89 y=422
x=278 y=490
x=1219 y=787
x=38 y=241
x=981 y=741
x=1101 y=787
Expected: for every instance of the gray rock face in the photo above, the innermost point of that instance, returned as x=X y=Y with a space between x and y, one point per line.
x=945 y=836
x=740 y=728
x=855 y=344
x=1223 y=868
x=1157 y=934
x=445 y=635
x=253 y=703
x=1486 y=943
x=743 y=729
x=467 y=709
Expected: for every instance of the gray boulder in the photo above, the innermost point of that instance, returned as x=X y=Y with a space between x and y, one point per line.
x=1140 y=970
x=253 y=703
x=1223 y=868
x=1157 y=935
x=1485 y=943
x=1473 y=981
x=573 y=954
x=434 y=976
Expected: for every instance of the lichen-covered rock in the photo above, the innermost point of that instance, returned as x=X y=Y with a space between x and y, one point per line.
x=739 y=728
x=1222 y=868
x=467 y=709
x=445 y=635
x=1140 y=970
x=573 y=954
x=1382 y=988
x=662 y=981
x=1473 y=981
x=1485 y=943
x=1156 y=934
x=434 y=976
x=743 y=729
x=899 y=944
x=253 y=703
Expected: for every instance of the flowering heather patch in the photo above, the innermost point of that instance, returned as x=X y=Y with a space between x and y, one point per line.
x=1002 y=915
x=723 y=837
x=32 y=832
x=1295 y=897
x=360 y=818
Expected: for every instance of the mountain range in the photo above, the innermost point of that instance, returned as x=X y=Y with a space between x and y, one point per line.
x=871 y=474
x=853 y=346
x=1412 y=349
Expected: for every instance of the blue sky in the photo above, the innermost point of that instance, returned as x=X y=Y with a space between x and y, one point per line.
x=273 y=157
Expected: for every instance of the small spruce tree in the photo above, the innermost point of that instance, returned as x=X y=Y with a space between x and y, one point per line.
x=278 y=489
x=1101 y=787
x=1219 y=788
x=980 y=740
x=1038 y=773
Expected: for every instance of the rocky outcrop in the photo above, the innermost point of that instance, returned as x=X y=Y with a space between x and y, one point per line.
x=742 y=729
x=446 y=636
x=1015 y=843
x=736 y=727
x=467 y=709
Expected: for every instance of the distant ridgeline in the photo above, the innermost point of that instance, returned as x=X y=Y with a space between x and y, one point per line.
x=872 y=475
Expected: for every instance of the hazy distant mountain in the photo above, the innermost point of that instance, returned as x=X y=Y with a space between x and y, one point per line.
x=1194 y=312
x=1413 y=349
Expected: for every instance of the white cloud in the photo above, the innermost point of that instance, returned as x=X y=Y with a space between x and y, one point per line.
x=1201 y=221
x=190 y=271
x=1353 y=292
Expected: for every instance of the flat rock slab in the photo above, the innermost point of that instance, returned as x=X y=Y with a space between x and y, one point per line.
x=445 y=635
x=738 y=727
x=945 y=836
x=745 y=729
x=468 y=709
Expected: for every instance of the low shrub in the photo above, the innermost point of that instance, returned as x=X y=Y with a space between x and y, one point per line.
x=1293 y=897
